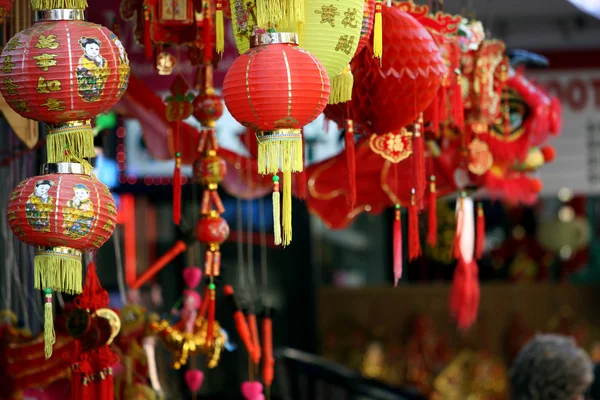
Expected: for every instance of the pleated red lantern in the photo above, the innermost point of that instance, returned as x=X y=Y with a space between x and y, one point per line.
x=5 y=6
x=63 y=71
x=276 y=88
x=63 y=214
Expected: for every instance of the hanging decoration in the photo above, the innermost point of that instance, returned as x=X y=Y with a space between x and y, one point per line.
x=63 y=71
x=253 y=95
x=5 y=6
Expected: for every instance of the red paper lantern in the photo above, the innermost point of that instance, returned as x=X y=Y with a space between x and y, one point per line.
x=210 y=170
x=63 y=71
x=212 y=229
x=208 y=108
x=5 y=6
x=276 y=88
x=63 y=214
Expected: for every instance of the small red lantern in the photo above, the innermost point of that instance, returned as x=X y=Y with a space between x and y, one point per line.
x=276 y=88
x=63 y=214
x=63 y=71
x=212 y=229
x=210 y=170
x=208 y=108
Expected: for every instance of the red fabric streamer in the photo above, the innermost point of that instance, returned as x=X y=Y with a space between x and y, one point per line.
x=252 y=324
x=268 y=369
x=397 y=256
x=432 y=236
x=350 y=163
x=177 y=176
x=414 y=242
x=480 y=240
x=464 y=295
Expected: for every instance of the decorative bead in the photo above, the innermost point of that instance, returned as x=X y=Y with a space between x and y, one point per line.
x=48 y=290
x=212 y=286
x=397 y=206
x=177 y=154
x=275 y=178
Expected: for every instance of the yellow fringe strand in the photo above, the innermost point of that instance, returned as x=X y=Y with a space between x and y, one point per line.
x=58 y=268
x=67 y=140
x=341 y=87
x=277 y=216
x=378 y=32
x=287 y=208
x=280 y=14
x=38 y=5
x=220 y=29
x=49 y=334
x=280 y=151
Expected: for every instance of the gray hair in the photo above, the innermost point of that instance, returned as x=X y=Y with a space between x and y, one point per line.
x=550 y=367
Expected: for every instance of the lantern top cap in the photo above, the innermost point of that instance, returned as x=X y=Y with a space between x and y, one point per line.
x=59 y=14
x=65 y=168
x=262 y=38
x=48 y=5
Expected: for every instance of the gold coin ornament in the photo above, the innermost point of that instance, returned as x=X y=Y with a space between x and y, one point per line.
x=113 y=320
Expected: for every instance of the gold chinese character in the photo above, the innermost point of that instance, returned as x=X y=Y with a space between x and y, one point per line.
x=54 y=104
x=10 y=86
x=8 y=65
x=12 y=215
x=110 y=208
x=98 y=241
x=20 y=105
x=47 y=42
x=328 y=14
x=109 y=226
x=45 y=86
x=45 y=61
x=345 y=44
x=350 y=18
x=13 y=44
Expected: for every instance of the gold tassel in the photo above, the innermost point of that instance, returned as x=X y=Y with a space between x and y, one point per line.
x=287 y=208
x=38 y=5
x=57 y=268
x=276 y=211
x=49 y=334
x=220 y=29
x=378 y=32
x=341 y=87
x=70 y=139
x=280 y=150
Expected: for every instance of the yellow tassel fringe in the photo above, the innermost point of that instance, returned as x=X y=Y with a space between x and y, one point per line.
x=49 y=334
x=341 y=87
x=277 y=217
x=378 y=32
x=287 y=208
x=57 y=272
x=77 y=139
x=280 y=152
x=280 y=14
x=220 y=31
x=38 y=5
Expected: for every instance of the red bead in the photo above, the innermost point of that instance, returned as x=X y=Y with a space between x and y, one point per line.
x=208 y=108
x=212 y=229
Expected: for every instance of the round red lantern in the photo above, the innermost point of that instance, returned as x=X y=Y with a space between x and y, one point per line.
x=276 y=88
x=63 y=71
x=64 y=213
x=208 y=108
x=210 y=170
x=5 y=6
x=212 y=229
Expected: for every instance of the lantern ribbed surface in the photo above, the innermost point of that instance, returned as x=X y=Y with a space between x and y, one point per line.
x=64 y=215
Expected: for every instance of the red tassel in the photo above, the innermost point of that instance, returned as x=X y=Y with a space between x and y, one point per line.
x=456 y=243
x=443 y=106
x=397 y=256
x=432 y=235
x=419 y=162
x=480 y=239
x=148 y=49
x=267 y=348
x=464 y=296
x=414 y=242
x=350 y=163
x=210 y=329
x=177 y=176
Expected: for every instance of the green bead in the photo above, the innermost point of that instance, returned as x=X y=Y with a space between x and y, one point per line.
x=212 y=286
x=48 y=290
x=275 y=178
x=397 y=206
x=432 y=178
x=178 y=154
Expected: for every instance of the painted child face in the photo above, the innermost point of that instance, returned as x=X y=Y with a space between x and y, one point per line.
x=92 y=50
x=42 y=190
x=81 y=194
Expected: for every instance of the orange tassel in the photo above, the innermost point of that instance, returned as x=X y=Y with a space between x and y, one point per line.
x=432 y=235
x=480 y=241
x=255 y=339
x=350 y=163
x=414 y=242
x=419 y=162
x=241 y=325
x=397 y=256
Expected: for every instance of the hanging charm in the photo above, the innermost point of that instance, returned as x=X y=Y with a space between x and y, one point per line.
x=414 y=241
x=378 y=32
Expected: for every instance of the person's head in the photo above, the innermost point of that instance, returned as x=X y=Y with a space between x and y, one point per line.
x=550 y=367
x=81 y=191
x=42 y=187
x=91 y=46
